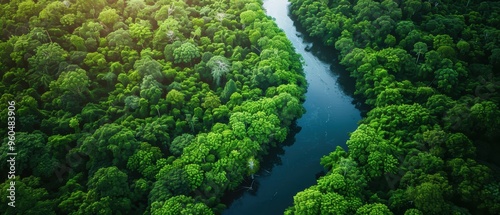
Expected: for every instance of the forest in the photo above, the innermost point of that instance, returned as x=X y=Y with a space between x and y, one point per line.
x=162 y=107
x=140 y=106
x=429 y=71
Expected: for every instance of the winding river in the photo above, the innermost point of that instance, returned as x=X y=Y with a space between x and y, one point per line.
x=330 y=116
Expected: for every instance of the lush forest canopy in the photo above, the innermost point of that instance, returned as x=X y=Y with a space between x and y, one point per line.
x=430 y=71
x=141 y=106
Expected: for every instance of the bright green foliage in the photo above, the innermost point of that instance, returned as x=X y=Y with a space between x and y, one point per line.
x=195 y=175
x=442 y=40
x=78 y=42
x=247 y=17
x=307 y=202
x=141 y=31
x=53 y=12
x=175 y=98
x=75 y=82
x=143 y=160
x=183 y=205
x=109 y=16
x=96 y=61
x=374 y=209
x=333 y=203
x=427 y=146
x=211 y=101
x=186 y=53
x=109 y=84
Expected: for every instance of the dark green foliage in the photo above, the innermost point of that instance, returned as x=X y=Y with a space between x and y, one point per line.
x=179 y=143
x=428 y=71
x=229 y=89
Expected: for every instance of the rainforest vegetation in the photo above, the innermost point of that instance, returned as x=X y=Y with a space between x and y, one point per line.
x=161 y=107
x=141 y=106
x=430 y=72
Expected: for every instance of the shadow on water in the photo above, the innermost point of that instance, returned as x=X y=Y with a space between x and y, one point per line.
x=330 y=56
x=272 y=159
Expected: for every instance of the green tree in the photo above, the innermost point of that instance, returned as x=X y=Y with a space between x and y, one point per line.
x=148 y=66
x=181 y=205
x=229 y=89
x=179 y=143
x=109 y=181
x=186 y=53
x=419 y=48
x=144 y=160
x=175 y=98
x=27 y=162
x=78 y=42
x=307 y=201
x=211 y=101
x=220 y=66
x=151 y=89
x=447 y=79
x=110 y=144
x=429 y=198
x=108 y=191
x=31 y=197
x=76 y=82
x=142 y=32
x=95 y=61
x=375 y=208
x=119 y=39
x=52 y=13
x=442 y=40
x=109 y=16
x=46 y=61
x=463 y=46
x=247 y=17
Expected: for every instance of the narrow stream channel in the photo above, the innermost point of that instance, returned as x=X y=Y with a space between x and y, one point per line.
x=330 y=116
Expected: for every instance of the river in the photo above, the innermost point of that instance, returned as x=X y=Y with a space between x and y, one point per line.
x=330 y=117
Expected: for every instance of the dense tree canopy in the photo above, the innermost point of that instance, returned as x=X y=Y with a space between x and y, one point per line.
x=141 y=107
x=426 y=70
x=160 y=107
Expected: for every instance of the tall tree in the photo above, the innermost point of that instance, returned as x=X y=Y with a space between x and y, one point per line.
x=220 y=66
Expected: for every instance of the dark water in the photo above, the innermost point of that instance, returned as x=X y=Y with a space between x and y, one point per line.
x=330 y=117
